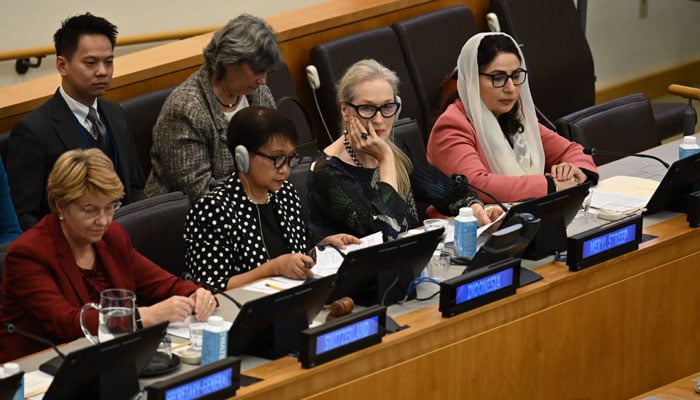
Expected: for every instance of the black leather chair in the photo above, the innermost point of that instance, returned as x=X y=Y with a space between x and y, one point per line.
x=285 y=94
x=407 y=133
x=559 y=60
x=299 y=176
x=156 y=226
x=333 y=58
x=280 y=82
x=431 y=44
x=622 y=125
x=142 y=113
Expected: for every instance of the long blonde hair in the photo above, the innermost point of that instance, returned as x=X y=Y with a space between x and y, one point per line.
x=370 y=70
x=79 y=173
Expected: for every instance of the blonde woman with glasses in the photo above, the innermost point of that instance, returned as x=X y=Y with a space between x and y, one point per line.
x=74 y=253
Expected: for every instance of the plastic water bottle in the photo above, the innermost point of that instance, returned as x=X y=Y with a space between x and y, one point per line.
x=9 y=369
x=214 y=340
x=688 y=147
x=465 y=232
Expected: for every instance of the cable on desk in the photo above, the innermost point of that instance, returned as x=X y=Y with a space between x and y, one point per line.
x=414 y=284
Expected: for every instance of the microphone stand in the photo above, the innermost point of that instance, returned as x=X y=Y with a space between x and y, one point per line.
x=51 y=366
x=593 y=151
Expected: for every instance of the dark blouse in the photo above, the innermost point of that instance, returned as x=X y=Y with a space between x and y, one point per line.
x=350 y=199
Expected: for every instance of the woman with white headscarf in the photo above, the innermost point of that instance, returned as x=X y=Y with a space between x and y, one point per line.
x=491 y=135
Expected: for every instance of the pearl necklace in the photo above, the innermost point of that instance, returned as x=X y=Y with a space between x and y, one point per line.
x=350 y=151
x=230 y=105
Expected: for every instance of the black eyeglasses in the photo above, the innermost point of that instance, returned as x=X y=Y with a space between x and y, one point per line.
x=499 y=79
x=279 y=161
x=368 y=111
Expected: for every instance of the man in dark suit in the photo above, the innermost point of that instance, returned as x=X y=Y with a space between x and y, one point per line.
x=75 y=117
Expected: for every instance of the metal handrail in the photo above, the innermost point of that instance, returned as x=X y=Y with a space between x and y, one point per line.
x=22 y=56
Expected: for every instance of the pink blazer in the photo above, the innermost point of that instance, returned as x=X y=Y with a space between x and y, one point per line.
x=454 y=148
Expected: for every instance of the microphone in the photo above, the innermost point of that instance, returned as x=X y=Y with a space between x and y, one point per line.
x=51 y=366
x=11 y=328
x=188 y=277
x=591 y=151
x=459 y=178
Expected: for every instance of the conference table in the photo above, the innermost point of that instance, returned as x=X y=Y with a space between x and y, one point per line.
x=611 y=331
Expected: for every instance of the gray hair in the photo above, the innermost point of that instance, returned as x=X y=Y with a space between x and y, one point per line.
x=363 y=71
x=244 y=39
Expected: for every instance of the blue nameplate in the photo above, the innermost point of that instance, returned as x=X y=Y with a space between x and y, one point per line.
x=480 y=286
x=603 y=243
x=342 y=336
x=217 y=380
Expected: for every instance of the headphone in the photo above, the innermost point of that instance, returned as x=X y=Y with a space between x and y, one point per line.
x=242 y=159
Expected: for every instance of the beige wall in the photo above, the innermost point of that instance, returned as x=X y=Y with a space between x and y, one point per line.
x=32 y=23
x=624 y=45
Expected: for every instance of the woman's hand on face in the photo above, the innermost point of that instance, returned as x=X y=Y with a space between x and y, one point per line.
x=294 y=265
x=372 y=144
x=204 y=304
x=172 y=309
x=340 y=240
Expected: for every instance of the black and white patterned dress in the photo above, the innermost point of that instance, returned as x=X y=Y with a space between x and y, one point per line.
x=222 y=231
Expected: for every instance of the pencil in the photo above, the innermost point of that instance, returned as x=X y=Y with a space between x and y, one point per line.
x=183 y=344
x=271 y=286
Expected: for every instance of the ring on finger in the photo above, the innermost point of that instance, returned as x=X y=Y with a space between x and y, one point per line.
x=364 y=135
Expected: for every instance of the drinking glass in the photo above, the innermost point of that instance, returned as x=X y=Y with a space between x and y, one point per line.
x=116 y=316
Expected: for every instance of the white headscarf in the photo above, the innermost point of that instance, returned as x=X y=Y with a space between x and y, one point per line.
x=526 y=157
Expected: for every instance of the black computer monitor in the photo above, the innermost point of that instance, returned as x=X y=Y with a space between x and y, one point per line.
x=682 y=178
x=9 y=385
x=107 y=370
x=381 y=274
x=507 y=242
x=555 y=211
x=269 y=326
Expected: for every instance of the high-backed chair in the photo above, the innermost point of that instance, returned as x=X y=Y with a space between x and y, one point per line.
x=621 y=125
x=142 y=112
x=299 y=176
x=285 y=94
x=334 y=57
x=280 y=82
x=156 y=226
x=431 y=44
x=559 y=60
x=407 y=134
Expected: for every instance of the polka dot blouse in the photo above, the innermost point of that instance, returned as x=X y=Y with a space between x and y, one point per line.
x=222 y=231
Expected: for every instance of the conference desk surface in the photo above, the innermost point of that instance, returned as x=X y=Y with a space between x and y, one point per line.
x=681 y=389
x=612 y=331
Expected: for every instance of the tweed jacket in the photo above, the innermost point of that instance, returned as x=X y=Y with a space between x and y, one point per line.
x=222 y=231
x=189 y=150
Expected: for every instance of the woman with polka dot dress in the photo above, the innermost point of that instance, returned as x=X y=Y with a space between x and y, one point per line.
x=250 y=226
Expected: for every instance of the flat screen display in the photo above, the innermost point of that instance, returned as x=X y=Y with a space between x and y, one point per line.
x=201 y=387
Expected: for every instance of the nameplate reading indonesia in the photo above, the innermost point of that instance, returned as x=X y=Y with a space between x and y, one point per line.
x=480 y=286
